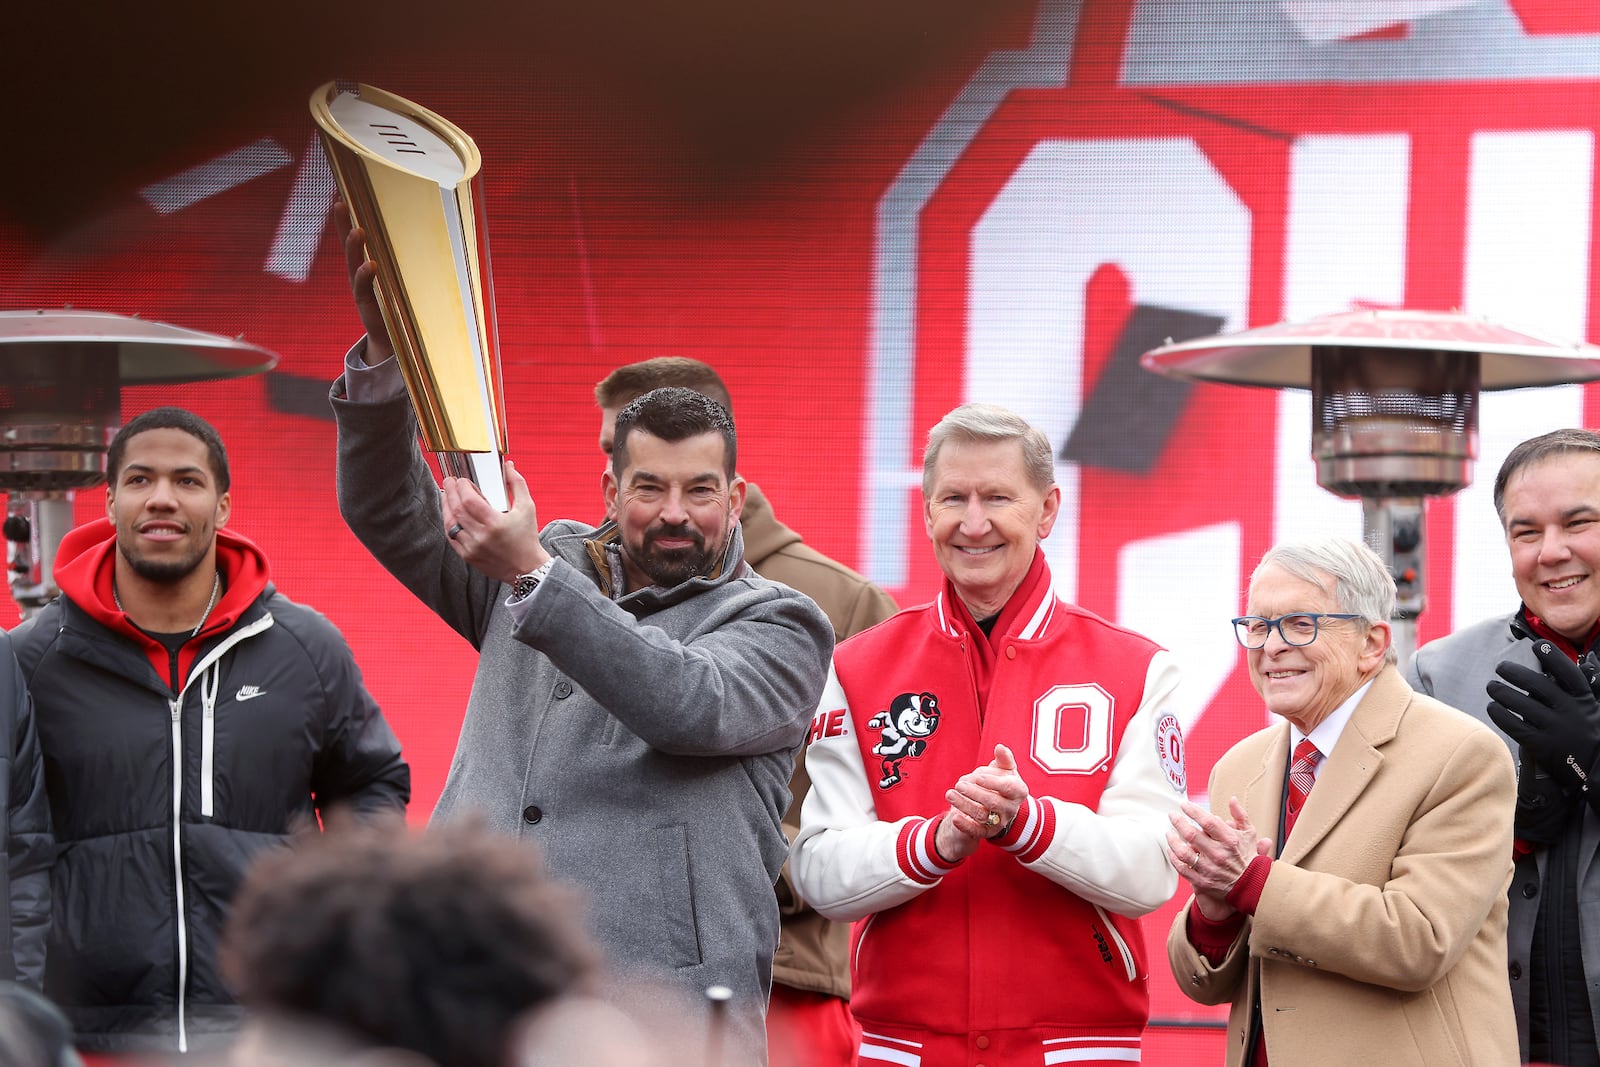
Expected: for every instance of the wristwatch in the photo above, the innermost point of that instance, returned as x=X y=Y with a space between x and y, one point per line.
x=527 y=583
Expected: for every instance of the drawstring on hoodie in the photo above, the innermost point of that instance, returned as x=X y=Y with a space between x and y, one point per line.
x=208 y=735
x=209 y=671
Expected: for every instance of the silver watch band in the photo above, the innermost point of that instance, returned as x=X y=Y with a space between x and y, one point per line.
x=527 y=583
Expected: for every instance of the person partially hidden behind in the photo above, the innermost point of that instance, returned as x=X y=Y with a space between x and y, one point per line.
x=1349 y=888
x=1519 y=674
x=25 y=838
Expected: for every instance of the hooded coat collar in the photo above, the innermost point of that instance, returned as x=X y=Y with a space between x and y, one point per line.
x=86 y=565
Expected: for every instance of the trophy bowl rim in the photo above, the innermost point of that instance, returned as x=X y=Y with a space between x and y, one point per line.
x=459 y=140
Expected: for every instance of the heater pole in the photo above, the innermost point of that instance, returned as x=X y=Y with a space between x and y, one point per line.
x=1393 y=527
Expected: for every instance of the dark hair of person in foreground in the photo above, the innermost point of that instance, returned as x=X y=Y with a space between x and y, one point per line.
x=433 y=941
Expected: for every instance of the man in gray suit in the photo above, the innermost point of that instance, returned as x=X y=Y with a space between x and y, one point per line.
x=1529 y=674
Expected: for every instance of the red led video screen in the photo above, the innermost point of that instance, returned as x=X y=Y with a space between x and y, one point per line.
x=1015 y=216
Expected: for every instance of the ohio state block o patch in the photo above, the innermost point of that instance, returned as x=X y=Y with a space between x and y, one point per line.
x=1169 y=748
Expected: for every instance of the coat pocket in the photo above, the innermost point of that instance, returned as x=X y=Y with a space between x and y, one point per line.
x=1438 y=1042
x=675 y=879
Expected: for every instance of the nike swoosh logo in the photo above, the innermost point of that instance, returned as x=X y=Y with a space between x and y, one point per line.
x=249 y=692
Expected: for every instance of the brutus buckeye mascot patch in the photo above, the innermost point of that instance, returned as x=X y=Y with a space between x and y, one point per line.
x=903 y=732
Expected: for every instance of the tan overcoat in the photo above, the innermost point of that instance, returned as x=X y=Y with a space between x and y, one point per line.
x=1380 y=937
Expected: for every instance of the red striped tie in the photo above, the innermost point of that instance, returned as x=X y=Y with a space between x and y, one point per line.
x=1302 y=776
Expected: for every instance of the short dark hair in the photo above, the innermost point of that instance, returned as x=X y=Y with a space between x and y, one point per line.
x=434 y=941
x=1536 y=450
x=675 y=414
x=171 y=419
x=628 y=383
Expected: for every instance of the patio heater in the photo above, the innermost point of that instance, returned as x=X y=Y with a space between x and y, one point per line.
x=1394 y=409
x=61 y=373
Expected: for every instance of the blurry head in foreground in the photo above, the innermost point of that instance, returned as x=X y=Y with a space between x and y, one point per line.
x=435 y=942
x=33 y=1032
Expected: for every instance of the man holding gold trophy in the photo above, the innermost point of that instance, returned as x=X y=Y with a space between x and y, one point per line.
x=640 y=692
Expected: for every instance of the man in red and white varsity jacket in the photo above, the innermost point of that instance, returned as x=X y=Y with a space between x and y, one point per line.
x=991 y=776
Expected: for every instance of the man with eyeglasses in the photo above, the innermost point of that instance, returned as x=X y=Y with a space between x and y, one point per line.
x=1547 y=495
x=1349 y=888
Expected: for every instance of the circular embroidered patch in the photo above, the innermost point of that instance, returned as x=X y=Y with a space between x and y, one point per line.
x=1169 y=748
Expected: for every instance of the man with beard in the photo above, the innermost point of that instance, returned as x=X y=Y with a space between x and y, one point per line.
x=190 y=717
x=640 y=691
x=808 y=1017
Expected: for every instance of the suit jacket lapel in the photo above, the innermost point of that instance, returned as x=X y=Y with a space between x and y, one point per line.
x=1353 y=763
x=1263 y=793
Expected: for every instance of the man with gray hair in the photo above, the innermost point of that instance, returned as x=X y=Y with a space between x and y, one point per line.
x=1349 y=888
x=1547 y=496
x=991 y=775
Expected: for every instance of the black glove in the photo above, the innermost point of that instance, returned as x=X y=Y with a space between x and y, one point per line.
x=1543 y=806
x=1553 y=715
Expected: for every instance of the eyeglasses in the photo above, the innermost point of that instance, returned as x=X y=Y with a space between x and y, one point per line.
x=1297 y=629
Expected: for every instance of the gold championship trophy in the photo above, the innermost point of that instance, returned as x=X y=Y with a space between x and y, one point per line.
x=409 y=178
